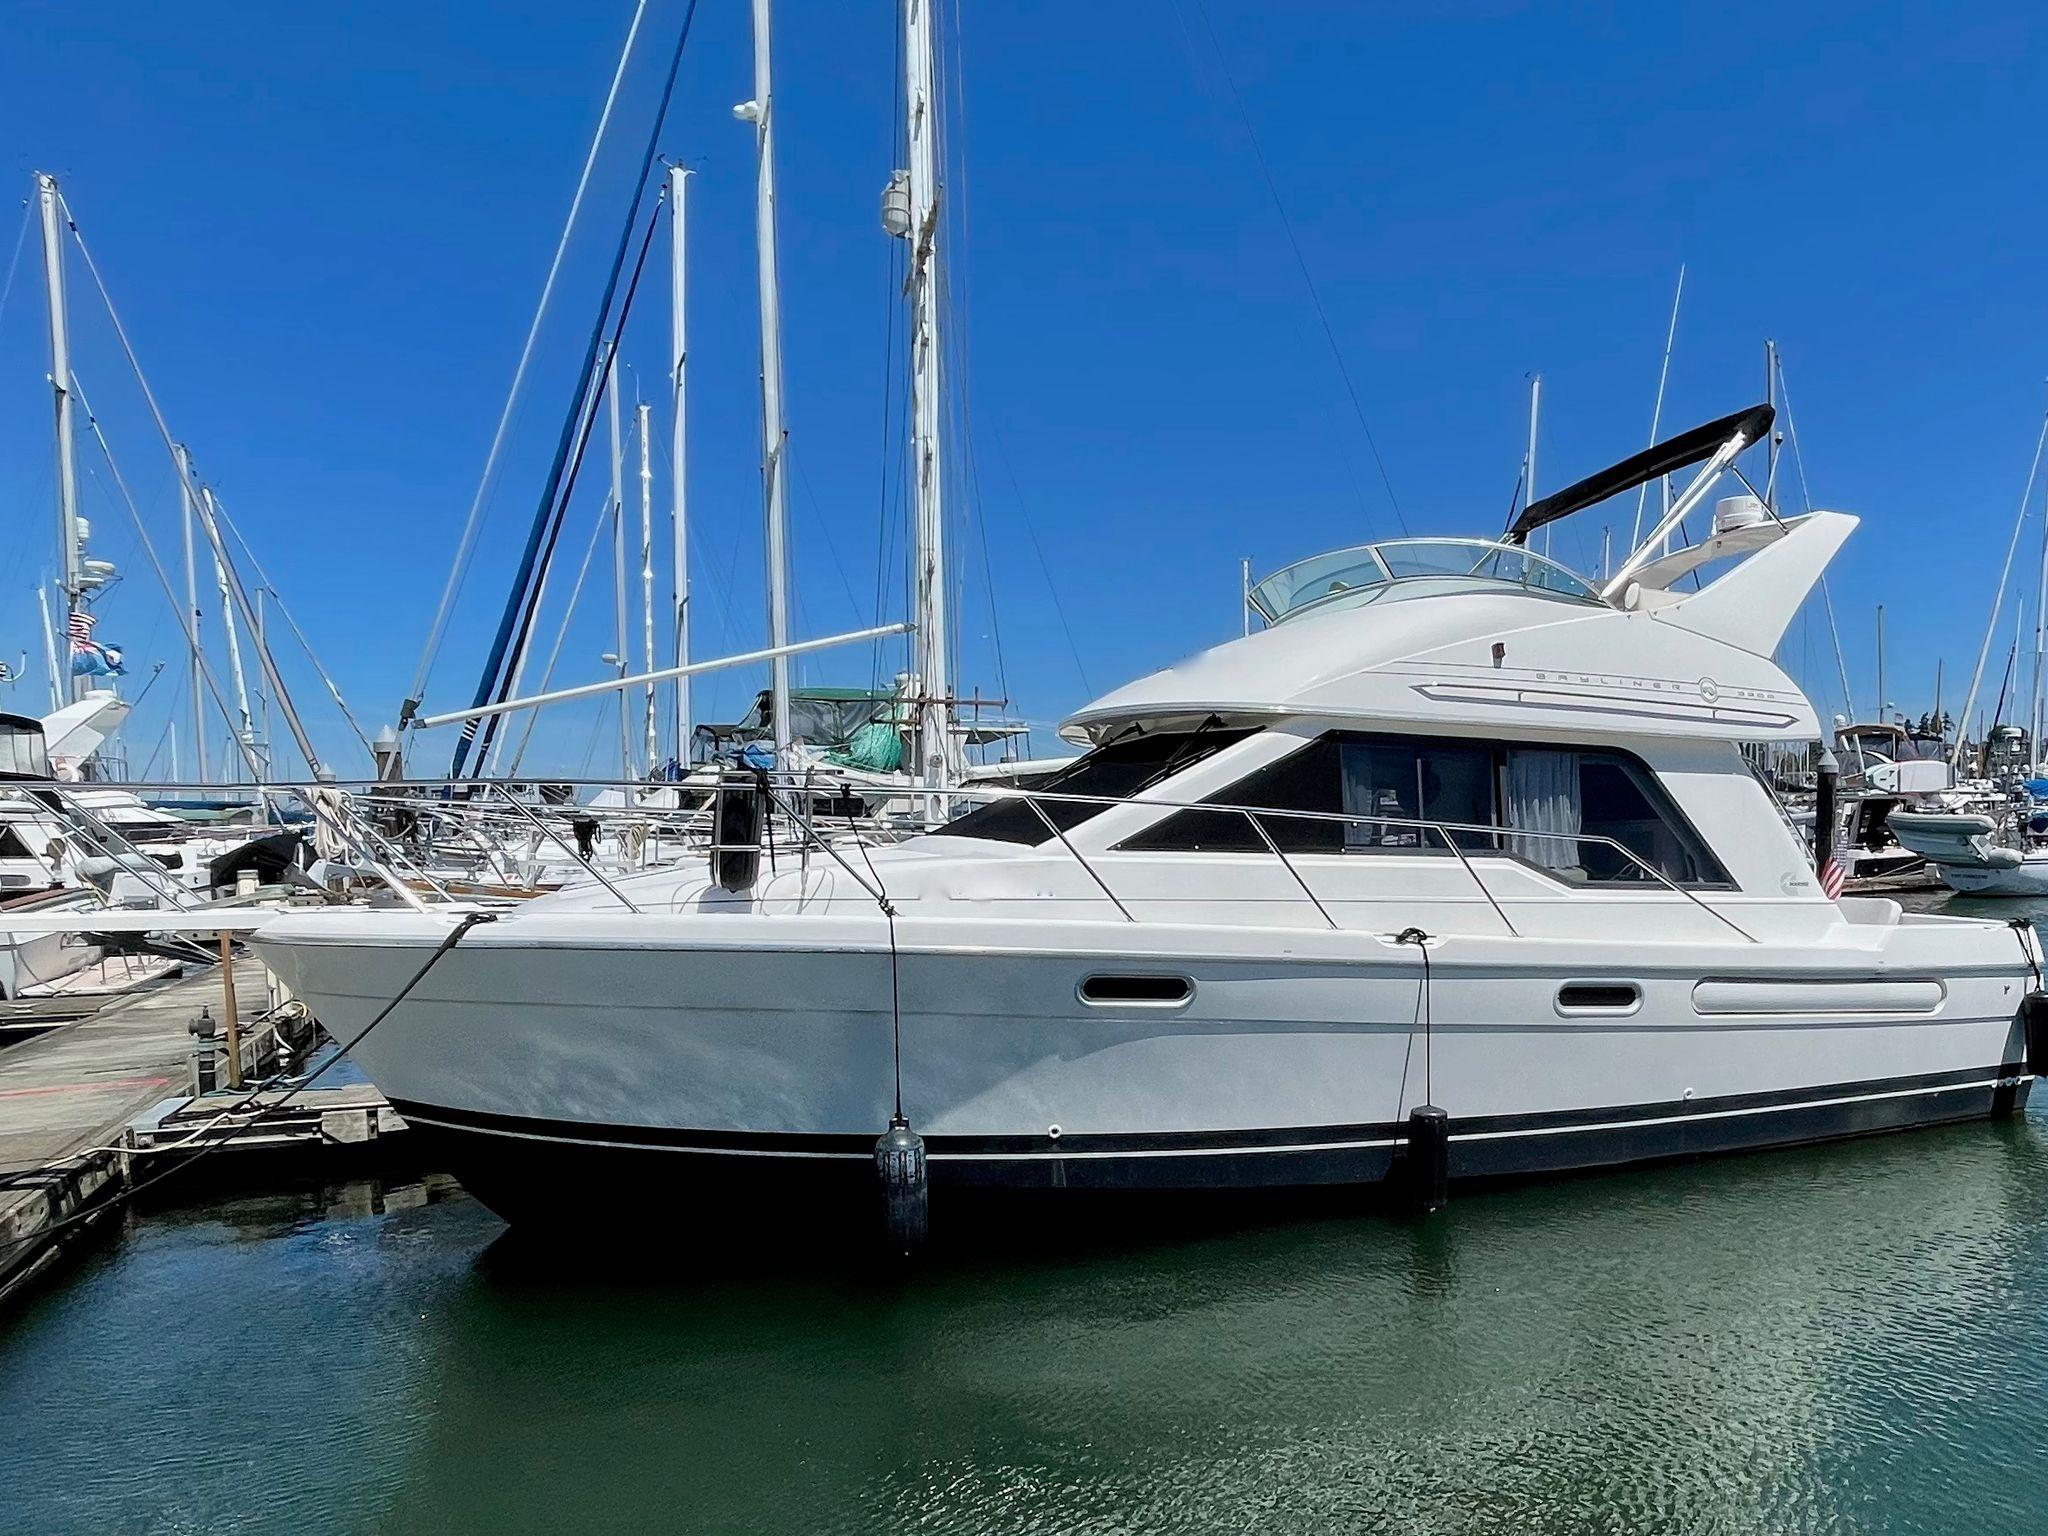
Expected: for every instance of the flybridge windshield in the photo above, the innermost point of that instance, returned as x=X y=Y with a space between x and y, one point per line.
x=1377 y=568
x=21 y=751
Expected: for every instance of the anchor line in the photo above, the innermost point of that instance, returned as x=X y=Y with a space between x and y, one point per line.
x=127 y=1195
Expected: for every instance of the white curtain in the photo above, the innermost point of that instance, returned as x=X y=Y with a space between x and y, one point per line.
x=1543 y=796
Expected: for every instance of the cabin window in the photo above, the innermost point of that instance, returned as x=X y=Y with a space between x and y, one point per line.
x=1571 y=806
x=11 y=845
x=1559 y=809
x=1114 y=771
x=1391 y=777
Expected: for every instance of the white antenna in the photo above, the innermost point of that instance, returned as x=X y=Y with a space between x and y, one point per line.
x=73 y=578
x=1635 y=532
x=645 y=416
x=192 y=611
x=774 y=432
x=678 y=503
x=1529 y=458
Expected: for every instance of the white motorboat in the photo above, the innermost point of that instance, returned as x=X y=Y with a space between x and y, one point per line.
x=1457 y=829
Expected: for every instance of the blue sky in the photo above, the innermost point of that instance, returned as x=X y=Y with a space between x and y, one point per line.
x=326 y=229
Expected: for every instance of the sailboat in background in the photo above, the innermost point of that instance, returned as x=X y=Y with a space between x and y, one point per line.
x=1998 y=847
x=896 y=753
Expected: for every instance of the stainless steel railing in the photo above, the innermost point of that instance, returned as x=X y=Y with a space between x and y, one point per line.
x=482 y=814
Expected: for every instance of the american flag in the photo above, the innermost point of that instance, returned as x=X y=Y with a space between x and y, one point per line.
x=81 y=627
x=1831 y=875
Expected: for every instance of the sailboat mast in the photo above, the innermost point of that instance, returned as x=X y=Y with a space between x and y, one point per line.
x=937 y=753
x=623 y=660
x=73 y=576
x=774 y=433
x=644 y=422
x=2034 y=756
x=1880 y=664
x=679 y=525
x=192 y=612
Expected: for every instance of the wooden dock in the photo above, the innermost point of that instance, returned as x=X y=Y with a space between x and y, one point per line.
x=349 y=1115
x=70 y=1094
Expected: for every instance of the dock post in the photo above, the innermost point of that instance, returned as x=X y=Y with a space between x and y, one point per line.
x=230 y=1019
x=204 y=1060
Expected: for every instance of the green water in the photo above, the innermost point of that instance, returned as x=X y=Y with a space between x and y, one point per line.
x=1851 y=1338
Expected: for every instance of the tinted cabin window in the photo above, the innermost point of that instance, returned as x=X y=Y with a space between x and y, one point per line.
x=1339 y=775
x=1116 y=771
x=1553 y=806
x=1306 y=780
x=1415 y=781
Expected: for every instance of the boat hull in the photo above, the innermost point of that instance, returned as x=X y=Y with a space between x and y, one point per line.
x=557 y=1078
x=2029 y=877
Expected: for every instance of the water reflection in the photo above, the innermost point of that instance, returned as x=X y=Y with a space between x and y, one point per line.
x=1846 y=1338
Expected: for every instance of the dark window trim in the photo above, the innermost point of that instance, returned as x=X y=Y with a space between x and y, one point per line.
x=1639 y=773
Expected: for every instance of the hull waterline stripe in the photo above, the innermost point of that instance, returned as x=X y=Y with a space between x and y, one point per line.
x=762 y=1144
x=1727 y=1114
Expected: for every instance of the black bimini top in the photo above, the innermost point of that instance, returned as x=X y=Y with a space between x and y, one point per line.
x=1652 y=463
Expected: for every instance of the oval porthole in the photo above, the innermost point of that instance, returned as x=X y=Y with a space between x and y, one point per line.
x=1151 y=990
x=1599 y=997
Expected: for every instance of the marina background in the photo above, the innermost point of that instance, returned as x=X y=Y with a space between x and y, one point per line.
x=326 y=233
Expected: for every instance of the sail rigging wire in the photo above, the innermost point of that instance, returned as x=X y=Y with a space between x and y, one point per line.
x=562 y=634
x=1300 y=259
x=1038 y=550
x=13 y=262
x=547 y=513
x=955 y=300
x=1998 y=598
x=892 y=455
x=530 y=599
x=466 y=546
x=163 y=577
x=1806 y=500
x=277 y=601
x=241 y=596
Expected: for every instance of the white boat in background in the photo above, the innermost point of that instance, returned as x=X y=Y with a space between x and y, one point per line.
x=1973 y=853
x=1458 y=835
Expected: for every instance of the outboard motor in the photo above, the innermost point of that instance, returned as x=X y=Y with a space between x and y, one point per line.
x=736 y=816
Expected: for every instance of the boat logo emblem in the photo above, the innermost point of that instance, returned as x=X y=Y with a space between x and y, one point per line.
x=1710 y=691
